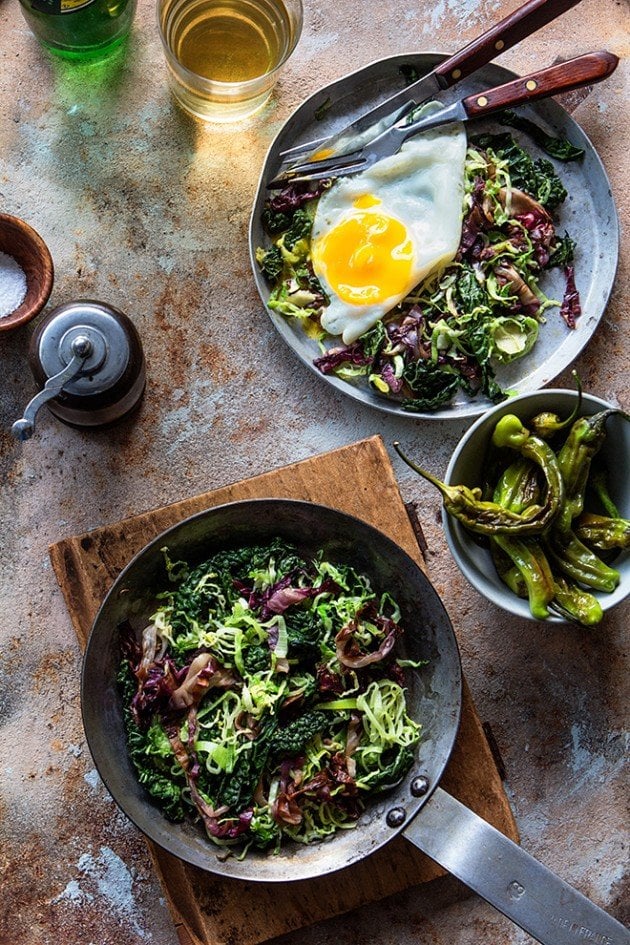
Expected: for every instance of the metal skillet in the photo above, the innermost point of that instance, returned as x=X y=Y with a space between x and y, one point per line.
x=439 y=825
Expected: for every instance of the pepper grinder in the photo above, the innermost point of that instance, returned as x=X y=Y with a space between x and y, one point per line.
x=87 y=359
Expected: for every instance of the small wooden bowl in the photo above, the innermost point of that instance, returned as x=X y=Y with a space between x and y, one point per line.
x=19 y=240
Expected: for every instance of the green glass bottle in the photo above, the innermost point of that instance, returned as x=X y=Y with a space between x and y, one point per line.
x=79 y=29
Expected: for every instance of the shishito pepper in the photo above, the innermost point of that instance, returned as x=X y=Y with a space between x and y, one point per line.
x=523 y=565
x=510 y=432
x=533 y=569
x=598 y=482
x=584 y=441
x=575 y=560
x=566 y=550
x=490 y=518
x=547 y=424
x=570 y=601
x=518 y=488
x=602 y=532
x=575 y=603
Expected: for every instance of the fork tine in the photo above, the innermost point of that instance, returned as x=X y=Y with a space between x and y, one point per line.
x=317 y=170
x=334 y=163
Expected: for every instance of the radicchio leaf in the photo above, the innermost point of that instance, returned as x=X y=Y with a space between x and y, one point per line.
x=335 y=357
x=155 y=691
x=349 y=653
x=407 y=336
x=474 y=225
x=204 y=673
x=296 y=195
x=328 y=681
x=541 y=232
x=394 y=383
x=571 y=307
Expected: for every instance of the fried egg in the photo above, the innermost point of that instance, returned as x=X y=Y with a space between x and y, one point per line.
x=378 y=234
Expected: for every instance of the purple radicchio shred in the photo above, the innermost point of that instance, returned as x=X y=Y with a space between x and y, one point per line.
x=541 y=232
x=407 y=336
x=192 y=726
x=296 y=195
x=155 y=690
x=348 y=651
x=280 y=596
x=335 y=357
x=396 y=673
x=328 y=681
x=394 y=383
x=232 y=828
x=204 y=672
x=475 y=223
x=470 y=371
x=285 y=597
x=570 y=308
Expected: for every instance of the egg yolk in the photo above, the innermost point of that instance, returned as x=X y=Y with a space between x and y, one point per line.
x=367 y=257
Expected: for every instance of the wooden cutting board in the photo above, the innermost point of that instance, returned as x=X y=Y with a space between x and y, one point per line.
x=208 y=910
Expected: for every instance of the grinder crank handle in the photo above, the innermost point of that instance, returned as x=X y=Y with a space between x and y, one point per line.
x=81 y=349
x=506 y=876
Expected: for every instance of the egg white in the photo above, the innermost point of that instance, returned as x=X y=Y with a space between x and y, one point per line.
x=421 y=187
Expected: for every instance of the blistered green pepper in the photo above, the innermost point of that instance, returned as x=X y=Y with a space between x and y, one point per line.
x=602 y=532
x=510 y=432
x=578 y=562
x=547 y=424
x=529 y=559
x=575 y=603
x=598 y=482
x=518 y=488
x=484 y=518
x=584 y=441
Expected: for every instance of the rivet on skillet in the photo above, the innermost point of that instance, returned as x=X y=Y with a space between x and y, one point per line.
x=419 y=786
x=396 y=817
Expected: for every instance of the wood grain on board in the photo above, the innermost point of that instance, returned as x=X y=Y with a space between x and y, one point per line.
x=207 y=909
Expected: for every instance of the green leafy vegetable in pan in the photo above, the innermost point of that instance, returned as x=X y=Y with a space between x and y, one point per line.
x=265 y=696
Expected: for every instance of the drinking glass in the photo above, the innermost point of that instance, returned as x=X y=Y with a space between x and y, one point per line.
x=224 y=56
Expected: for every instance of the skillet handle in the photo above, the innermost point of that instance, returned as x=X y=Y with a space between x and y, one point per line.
x=507 y=877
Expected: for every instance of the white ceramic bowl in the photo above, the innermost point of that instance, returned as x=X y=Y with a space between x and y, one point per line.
x=465 y=468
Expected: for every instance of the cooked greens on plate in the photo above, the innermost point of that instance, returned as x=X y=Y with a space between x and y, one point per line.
x=265 y=697
x=482 y=308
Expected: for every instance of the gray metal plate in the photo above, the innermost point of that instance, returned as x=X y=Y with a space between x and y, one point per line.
x=588 y=214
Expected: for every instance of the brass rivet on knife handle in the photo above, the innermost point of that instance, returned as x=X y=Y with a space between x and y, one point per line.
x=520 y=24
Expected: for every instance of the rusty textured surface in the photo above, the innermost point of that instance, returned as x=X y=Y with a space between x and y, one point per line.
x=144 y=208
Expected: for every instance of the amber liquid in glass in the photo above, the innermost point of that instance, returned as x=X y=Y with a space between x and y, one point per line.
x=231 y=40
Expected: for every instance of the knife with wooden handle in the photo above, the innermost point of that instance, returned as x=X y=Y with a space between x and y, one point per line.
x=524 y=21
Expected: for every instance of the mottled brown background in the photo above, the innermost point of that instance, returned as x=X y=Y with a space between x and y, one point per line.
x=144 y=208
